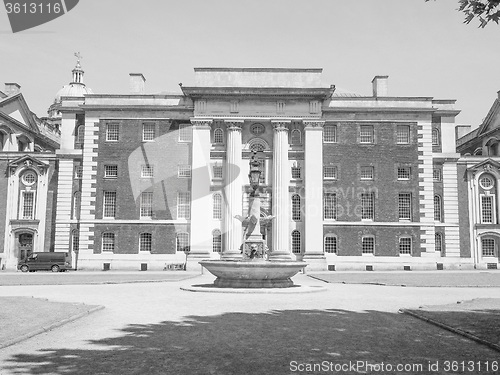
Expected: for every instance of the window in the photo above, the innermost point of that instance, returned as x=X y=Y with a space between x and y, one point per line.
x=438 y=213
x=436 y=174
x=296 y=172
x=296 y=242
x=28 y=205
x=366 y=134
x=330 y=206
x=405 y=245
x=404 y=203
x=75 y=241
x=112 y=132
x=77 y=201
x=296 y=207
x=404 y=173
x=80 y=133
x=367 y=206
x=147 y=171
x=403 y=135
x=148 y=132
x=257 y=129
x=366 y=173
x=145 y=242
x=217 y=171
x=201 y=105
x=295 y=137
x=487 y=209
x=330 y=172
x=29 y=178
x=218 y=136
x=108 y=241
x=438 y=242
x=78 y=172
x=110 y=171
x=330 y=244
x=217 y=206
x=488 y=246
x=182 y=241
x=257 y=146
x=183 y=205
x=280 y=107
x=184 y=133
x=435 y=137
x=109 y=204
x=330 y=134
x=486 y=182
x=216 y=241
x=184 y=171
x=368 y=245
x=146 y=209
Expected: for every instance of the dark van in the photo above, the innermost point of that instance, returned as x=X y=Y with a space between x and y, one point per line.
x=49 y=261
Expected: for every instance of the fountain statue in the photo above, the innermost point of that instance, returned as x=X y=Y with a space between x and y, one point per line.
x=255 y=269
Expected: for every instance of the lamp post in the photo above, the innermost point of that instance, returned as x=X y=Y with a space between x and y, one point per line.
x=254 y=175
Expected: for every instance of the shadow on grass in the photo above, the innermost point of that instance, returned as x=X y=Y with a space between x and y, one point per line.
x=258 y=343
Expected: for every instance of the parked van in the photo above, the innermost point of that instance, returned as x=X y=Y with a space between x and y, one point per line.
x=49 y=261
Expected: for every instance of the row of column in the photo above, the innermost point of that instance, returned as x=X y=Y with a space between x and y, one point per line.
x=232 y=192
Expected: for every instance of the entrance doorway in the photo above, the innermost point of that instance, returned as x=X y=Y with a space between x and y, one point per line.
x=25 y=245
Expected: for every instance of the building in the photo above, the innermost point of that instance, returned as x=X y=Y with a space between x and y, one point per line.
x=348 y=182
x=479 y=166
x=28 y=181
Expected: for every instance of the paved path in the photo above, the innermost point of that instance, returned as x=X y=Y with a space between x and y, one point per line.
x=156 y=328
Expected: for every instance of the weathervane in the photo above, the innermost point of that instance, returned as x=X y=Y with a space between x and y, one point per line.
x=78 y=57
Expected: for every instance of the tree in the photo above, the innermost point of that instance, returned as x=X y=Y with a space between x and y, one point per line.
x=484 y=10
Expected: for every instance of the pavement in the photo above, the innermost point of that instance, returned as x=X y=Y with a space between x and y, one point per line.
x=157 y=328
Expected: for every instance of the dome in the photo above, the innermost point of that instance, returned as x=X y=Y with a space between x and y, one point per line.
x=74 y=90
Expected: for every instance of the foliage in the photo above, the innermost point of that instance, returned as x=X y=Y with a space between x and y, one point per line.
x=484 y=10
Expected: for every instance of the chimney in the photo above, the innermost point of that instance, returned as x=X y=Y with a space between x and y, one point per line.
x=12 y=89
x=137 y=83
x=380 y=86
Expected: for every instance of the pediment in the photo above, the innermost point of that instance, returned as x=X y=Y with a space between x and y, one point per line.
x=15 y=110
x=485 y=165
x=492 y=120
x=27 y=161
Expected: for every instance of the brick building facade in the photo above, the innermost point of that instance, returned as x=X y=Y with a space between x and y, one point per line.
x=348 y=181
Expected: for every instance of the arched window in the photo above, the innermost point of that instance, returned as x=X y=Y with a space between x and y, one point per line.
x=80 y=133
x=145 y=241
x=438 y=211
x=182 y=241
x=296 y=242
x=217 y=206
x=77 y=202
x=330 y=244
x=436 y=141
x=295 y=136
x=488 y=247
x=296 y=207
x=438 y=242
x=218 y=136
x=216 y=241
x=478 y=151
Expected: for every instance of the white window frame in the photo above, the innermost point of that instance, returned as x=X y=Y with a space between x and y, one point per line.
x=147 y=171
x=437 y=175
x=184 y=171
x=183 y=205
x=439 y=207
x=218 y=172
x=403 y=173
x=109 y=205
x=146 y=205
x=363 y=243
x=109 y=236
x=23 y=214
x=371 y=209
x=482 y=247
x=185 y=133
x=335 y=173
x=401 y=208
x=366 y=173
x=146 y=131
x=327 y=196
x=219 y=136
x=335 y=244
x=296 y=203
x=364 y=137
x=493 y=208
x=110 y=168
x=400 y=244
x=216 y=241
x=217 y=206
x=145 y=242
x=403 y=138
x=181 y=241
x=294 y=236
x=112 y=132
x=330 y=134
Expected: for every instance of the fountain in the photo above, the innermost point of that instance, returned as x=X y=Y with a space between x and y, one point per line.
x=255 y=269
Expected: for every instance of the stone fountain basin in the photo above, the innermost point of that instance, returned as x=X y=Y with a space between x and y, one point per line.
x=253 y=273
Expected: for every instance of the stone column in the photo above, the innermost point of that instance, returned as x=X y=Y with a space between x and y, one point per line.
x=233 y=194
x=313 y=178
x=280 y=200
x=200 y=192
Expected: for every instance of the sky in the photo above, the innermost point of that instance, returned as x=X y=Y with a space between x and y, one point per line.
x=424 y=47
